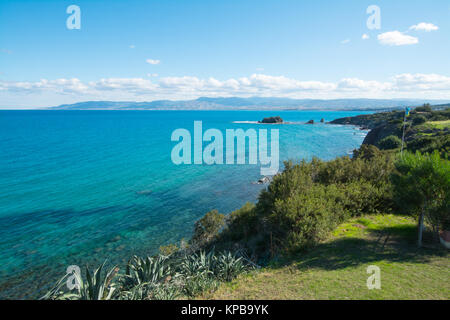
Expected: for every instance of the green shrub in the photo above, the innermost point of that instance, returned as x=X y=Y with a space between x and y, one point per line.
x=390 y=142
x=418 y=120
x=303 y=219
x=422 y=187
x=307 y=200
x=366 y=152
x=208 y=227
x=425 y=108
x=363 y=197
x=241 y=222
x=169 y=249
x=427 y=144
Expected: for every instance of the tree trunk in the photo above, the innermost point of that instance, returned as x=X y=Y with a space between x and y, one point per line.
x=420 y=229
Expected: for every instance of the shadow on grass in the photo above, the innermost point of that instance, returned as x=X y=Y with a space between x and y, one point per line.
x=390 y=244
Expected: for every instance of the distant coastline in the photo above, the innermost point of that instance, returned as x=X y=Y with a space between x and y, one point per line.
x=252 y=104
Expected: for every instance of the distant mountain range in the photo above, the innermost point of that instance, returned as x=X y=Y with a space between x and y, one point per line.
x=254 y=103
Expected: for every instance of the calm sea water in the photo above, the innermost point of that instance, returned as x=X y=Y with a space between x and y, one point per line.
x=79 y=187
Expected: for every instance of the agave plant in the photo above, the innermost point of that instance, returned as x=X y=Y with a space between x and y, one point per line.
x=149 y=270
x=166 y=291
x=154 y=278
x=228 y=266
x=138 y=292
x=57 y=292
x=193 y=286
x=198 y=264
x=98 y=286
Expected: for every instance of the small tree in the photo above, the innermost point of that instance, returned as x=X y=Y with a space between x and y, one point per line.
x=366 y=152
x=390 y=142
x=422 y=187
x=419 y=120
x=208 y=227
x=425 y=108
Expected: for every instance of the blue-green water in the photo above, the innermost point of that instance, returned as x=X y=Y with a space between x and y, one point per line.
x=71 y=184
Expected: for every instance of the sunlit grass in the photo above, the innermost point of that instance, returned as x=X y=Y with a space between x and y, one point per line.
x=337 y=268
x=439 y=124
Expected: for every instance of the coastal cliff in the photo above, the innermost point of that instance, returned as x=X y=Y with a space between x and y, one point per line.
x=425 y=129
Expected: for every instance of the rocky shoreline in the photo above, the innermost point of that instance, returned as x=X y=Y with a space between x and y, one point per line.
x=386 y=124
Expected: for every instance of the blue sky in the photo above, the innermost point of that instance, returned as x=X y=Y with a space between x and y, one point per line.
x=292 y=48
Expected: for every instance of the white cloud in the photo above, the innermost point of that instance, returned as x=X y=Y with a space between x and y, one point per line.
x=396 y=38
x=152 y=74
x=133 y=85
x=420 y=81
x=61 y=86
x=365 y=36
x=262 y=82
x=132 y=46
x=345 y=41
x=188 y=87
x=355 y=84
x=423 y=26
x=153 y=61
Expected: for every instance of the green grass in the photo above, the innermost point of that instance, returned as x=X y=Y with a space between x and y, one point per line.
x=337 y=268
x=439 y=124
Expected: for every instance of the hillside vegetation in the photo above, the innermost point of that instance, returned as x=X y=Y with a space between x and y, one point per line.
x=337 y=267
x=315 y=229
x=426 y=129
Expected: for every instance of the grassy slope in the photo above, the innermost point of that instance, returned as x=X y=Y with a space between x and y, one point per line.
x=441 y=125
x=336 y=269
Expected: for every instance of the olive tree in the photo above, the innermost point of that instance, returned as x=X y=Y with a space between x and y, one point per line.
x=422 y=187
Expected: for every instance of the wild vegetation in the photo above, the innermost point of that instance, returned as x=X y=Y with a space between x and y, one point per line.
x=337 y=267
x=297 y=212
x=422 y=188
x=426 y=129
x=158 y=277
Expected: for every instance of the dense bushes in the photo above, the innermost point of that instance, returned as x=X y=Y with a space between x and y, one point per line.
x=427 y=144
x=307 y=200
x=418 y=120
x=367 y=152
x=425 y=108
x=303 y=219
x=390 y=142
x=440 y=115
x=208 y=227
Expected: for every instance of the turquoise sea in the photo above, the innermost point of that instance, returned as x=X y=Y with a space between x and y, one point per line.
x=79 y=187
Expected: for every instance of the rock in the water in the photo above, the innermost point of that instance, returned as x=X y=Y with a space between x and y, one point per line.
x=322 y=120
x=310 y=122
x=272 y=120
x=264 y=180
